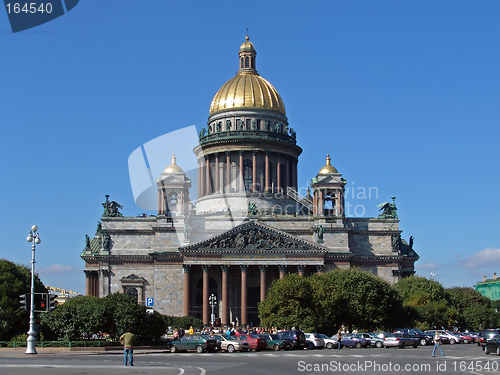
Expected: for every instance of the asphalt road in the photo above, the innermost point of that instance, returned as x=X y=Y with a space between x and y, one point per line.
x=460 y=359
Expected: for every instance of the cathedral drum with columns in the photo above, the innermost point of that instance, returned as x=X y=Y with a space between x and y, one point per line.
x=248 y=225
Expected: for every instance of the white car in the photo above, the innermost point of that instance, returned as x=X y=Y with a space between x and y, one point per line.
x=314 y=341
x=330 y=343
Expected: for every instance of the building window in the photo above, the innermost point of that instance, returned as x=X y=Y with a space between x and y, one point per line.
x=247 y=64
x=131 y=291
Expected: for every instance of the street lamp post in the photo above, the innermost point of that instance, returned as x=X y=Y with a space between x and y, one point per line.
x=34 y=238
x=213 y=303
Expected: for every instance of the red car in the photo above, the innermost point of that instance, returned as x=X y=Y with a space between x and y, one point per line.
x=255 y=342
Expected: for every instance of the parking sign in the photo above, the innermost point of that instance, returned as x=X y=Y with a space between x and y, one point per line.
x=150 y=302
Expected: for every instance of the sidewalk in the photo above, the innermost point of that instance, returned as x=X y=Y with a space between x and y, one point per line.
x=76 y=351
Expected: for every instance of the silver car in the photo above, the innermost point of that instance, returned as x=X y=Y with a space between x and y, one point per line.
x=399 y=340
x=314 y=341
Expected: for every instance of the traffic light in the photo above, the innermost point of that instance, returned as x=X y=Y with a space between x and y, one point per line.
x=52 y=302
x=23 y=302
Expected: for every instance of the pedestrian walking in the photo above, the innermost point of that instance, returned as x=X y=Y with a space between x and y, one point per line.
x=127 y=339
x=339 y=338
x=436 y=345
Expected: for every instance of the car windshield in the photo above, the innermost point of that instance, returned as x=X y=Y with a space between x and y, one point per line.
x=253 y=336
x=418 y=331
x=274 y=337
x=323 y=336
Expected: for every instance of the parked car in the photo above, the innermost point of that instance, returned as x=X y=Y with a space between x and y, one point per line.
x=492 y=345
x=255 y=342
x=298 y=338
x=330 y=342
x=422 y=338
x=445 y=337
x=351 y=341
x=314 y=341
x=230 y=344
x=374 y=340
x=400 y=340
x=467 y=338
x=275 y=343
x=200 y=343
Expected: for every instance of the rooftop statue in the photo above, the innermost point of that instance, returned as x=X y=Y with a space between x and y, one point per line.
x=388 y=210
x=111 y=208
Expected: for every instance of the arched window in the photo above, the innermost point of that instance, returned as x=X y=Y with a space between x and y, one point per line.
x=131 y=291
x=247 y=63
x=247 y=174
x=241 y=62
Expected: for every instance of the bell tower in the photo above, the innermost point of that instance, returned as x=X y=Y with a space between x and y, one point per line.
x=173 y=191
x=328 y=187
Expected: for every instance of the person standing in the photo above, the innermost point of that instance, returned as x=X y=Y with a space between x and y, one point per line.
x=127 y=339
x=436 y=345
x=339 y=338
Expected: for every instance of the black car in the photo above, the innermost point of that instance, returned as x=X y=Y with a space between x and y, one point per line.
x=415 y=333
x=492 y=345
x=298 y=338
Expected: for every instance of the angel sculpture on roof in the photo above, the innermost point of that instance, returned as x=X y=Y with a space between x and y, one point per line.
x=111 y=208
x=388 y=210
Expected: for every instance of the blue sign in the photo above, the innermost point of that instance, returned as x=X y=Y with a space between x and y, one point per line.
x=150 y=302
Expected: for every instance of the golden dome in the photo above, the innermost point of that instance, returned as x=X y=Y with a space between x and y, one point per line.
x=173 y=168
x=328 y=168
x=247 y=46
x=247 y=90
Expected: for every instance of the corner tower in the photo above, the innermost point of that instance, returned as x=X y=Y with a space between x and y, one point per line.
x=248 y=147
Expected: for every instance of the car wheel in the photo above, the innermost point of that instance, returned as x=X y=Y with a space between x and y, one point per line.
x=423 y=342
x=486 y=350
x=173 y=349
x=379 y=344
x=310 y=346
x=199 y=349
x=358 y=345
x=452 y=341
x=230 y=349
x=466 y=341
x=329 y=345
x=276 y=347
x=402 y=346
x=415 y=345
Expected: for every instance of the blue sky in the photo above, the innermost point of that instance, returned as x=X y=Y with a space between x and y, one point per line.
x=404 y=94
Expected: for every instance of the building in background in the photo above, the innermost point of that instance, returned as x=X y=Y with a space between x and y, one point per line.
x=489 y=287
x=248 y=224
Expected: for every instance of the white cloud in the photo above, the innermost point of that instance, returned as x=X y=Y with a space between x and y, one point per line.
x=427 y=266
x=488 y=257
x=56 y=269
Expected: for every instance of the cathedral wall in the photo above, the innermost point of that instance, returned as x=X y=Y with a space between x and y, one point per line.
x=168 y=289
x=132 y=244
x=367 y=244
x=373 y=224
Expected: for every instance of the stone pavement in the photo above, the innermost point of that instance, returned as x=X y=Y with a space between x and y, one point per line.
x=78 y=351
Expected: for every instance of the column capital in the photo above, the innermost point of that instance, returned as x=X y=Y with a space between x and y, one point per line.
x=105 y=273
x=228 y=153
x=320 y=268
x=244 y=267
x=87 y=273
x=240 y=152
x=186 y=267
x=205 y=267
x=254 y=152
x=225 y=267
x=301 y=267
x=263 y=267
x=282 y=267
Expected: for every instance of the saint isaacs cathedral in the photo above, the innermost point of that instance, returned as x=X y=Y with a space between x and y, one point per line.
x=246 y=225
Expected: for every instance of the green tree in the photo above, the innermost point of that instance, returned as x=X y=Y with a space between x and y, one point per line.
x=15 y=279
x=324 y=302
x=427 y=302
x=289 y=302
x=475 y=310
x=114 y=314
